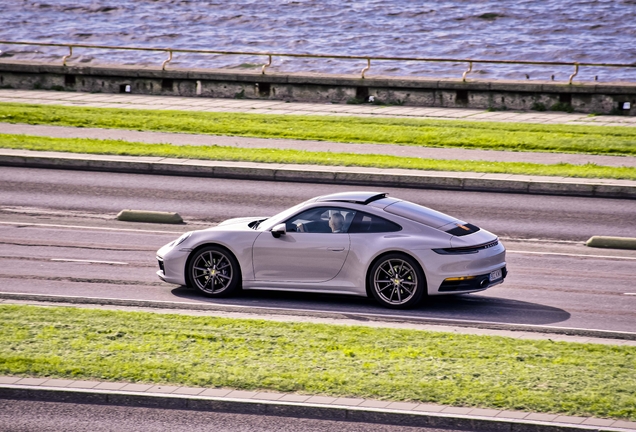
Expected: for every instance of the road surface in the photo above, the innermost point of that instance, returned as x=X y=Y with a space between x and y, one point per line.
x=58 y=236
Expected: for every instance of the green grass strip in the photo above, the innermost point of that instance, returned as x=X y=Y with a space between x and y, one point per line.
x=417 y=132
x=116 y=147
x=390 y=364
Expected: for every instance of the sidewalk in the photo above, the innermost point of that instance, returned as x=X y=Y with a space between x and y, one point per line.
x=299 y=405
x=125 y=100
x=322 y=146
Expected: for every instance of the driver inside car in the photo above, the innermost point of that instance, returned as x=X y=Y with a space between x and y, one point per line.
x=336 y=221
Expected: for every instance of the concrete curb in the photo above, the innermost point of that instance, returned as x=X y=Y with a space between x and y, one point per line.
x=322 y=174
x=612 y=242
x=342 y=412
x=149 y=216
x=361 y=317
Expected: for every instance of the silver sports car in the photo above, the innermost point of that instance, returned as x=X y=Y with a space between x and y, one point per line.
x=359 y=243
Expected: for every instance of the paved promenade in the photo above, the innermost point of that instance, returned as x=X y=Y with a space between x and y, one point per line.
x=321 y=146
x=279 y=107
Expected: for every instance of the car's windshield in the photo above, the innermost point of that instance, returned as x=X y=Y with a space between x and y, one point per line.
x=269 y=223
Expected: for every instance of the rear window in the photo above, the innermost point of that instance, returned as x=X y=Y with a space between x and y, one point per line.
x=420 y=214
x=366 y=223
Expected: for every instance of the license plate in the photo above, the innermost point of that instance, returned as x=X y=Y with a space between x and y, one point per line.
x=495 y=275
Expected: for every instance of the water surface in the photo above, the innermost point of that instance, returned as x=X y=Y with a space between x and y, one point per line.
x=576 y=30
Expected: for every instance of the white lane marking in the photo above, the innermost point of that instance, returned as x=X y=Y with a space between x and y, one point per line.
x=180 y=232
x=571 y=255
x=634 y=294
x=88 y=261
x=524 y=240
x=89 y=227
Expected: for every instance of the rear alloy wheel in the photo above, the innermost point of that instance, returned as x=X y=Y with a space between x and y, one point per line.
x=397 y=281
x=213 y=271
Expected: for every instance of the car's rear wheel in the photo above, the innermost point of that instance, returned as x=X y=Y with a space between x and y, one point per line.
x=214 y=271
x=397 y=281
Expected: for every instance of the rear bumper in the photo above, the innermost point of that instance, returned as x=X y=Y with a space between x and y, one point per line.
x=475 y=283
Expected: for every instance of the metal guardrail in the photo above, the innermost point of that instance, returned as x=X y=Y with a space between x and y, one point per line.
x=368 y=59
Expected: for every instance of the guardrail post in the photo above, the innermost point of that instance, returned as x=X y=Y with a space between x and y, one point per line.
x=70 y=54
x=470 y=62
x=470 y=68
x=366 y=68
x=168 y=60
x=265 y=66
x=576 y=71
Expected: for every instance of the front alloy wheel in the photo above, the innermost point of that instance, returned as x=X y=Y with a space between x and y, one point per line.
x=213 y=271
x=397 y=281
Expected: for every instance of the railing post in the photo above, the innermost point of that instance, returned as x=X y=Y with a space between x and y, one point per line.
x=366 y=68
x=265 y=66
x=168 y=60
x=470 y=68
x=576 y=71
x=70 y=54
x=470 y=62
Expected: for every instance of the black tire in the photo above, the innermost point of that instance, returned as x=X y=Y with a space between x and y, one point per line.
x=397 y=281
x=213 y=271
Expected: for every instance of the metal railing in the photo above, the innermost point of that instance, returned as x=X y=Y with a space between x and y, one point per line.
x=368 y=59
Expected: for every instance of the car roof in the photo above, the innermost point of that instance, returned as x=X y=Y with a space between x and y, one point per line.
x=357 y=197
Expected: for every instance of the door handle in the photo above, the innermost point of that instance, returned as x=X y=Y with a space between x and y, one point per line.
x=336 y=249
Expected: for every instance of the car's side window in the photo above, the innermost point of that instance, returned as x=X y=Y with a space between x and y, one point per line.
x=321 y=220
x=366 y=223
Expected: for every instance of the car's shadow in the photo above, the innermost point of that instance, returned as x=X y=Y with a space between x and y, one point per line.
x=472 y=307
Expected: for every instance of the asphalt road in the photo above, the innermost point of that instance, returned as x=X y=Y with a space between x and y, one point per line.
x=213 y=200
x=34 y=416
x=55 y=227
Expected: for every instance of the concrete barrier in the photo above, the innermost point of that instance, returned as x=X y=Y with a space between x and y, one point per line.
x=612 y=242
x=149 y=216
x=586 y=97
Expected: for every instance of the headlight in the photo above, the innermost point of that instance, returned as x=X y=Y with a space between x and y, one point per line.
x=181 y=239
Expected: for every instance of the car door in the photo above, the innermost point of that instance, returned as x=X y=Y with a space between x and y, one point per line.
x=309 y=252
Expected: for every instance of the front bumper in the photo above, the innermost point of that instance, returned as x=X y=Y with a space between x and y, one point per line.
x=172 y=263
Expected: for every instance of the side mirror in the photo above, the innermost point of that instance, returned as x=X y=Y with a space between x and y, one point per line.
x=279 y=230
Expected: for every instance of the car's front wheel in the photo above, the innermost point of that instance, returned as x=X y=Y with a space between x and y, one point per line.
x=397 y=281
x=214 y=271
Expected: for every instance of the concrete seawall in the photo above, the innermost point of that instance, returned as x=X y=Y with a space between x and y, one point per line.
x=585 y=97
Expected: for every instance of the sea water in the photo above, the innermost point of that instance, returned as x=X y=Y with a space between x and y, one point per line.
x=601 y=31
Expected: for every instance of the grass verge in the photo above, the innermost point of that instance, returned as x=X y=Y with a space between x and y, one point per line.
x=391 y=364
x=431 y=133
x=112 y=147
